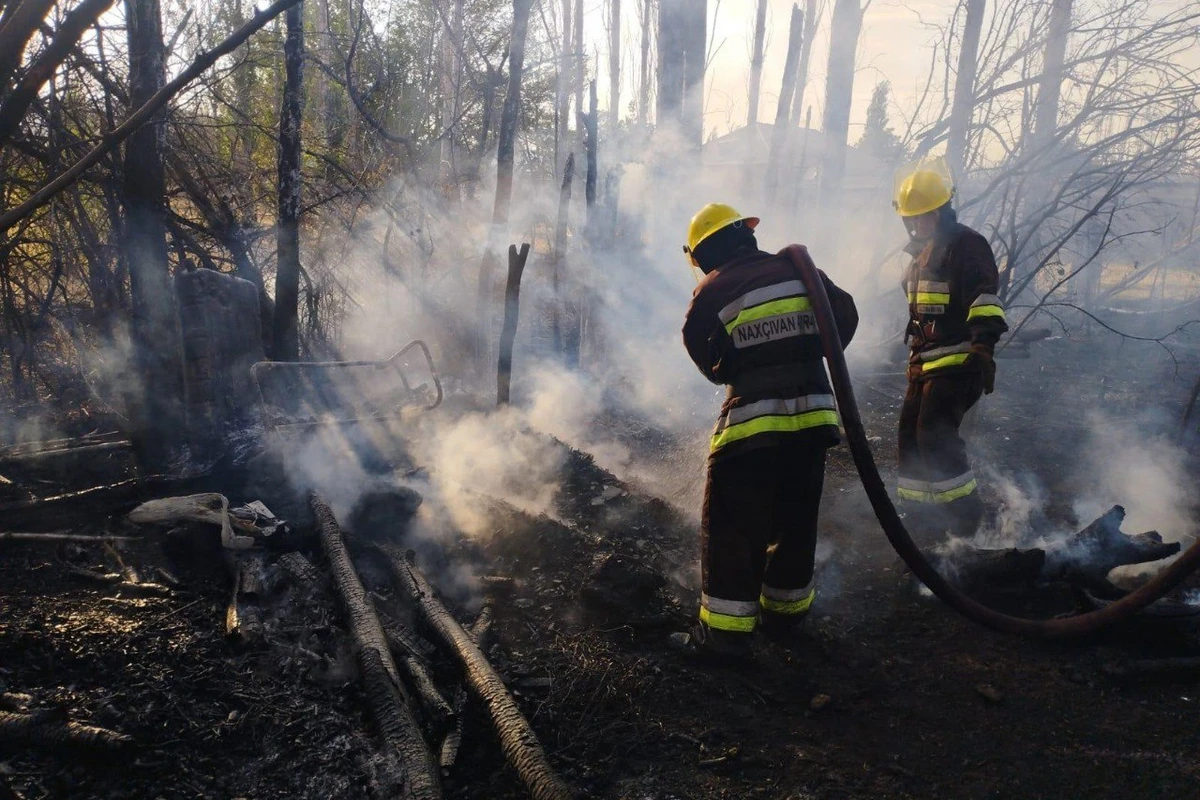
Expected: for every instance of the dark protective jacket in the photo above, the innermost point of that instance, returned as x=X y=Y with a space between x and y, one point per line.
x=750 y=326
x=952 y=302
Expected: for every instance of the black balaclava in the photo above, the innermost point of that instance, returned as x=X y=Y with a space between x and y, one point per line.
x=947 y=218
x=725 y=245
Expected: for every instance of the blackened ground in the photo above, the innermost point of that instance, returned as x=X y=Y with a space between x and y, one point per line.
x=885 y=695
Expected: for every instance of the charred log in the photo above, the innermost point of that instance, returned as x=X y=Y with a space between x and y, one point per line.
x=389 y=702
x=1084 y=560
x=61 y=538
x=480 y=631
x=50 y=729
x=517 y=739
x=1088 y=556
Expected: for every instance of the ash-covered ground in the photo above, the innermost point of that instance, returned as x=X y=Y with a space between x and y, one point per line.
x=887 y=694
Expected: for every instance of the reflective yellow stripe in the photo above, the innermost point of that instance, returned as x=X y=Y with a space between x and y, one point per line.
x=929 y=298
x=727 y=622
x=788 y=305
x=787 y=606
x=985 y=311
x=947 y=496
x=946 y=361
x=774 y=424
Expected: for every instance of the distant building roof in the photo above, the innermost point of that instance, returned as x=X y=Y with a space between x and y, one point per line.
x=750 y=146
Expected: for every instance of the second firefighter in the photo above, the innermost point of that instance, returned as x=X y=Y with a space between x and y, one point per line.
x=955 y=320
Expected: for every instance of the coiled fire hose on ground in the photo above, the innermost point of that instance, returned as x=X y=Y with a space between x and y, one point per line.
x=893 y=527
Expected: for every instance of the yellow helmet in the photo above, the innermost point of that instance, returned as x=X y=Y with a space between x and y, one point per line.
x=922 y=187
x=710 y=219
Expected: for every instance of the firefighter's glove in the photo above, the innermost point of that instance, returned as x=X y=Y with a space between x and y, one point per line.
x=981 y=355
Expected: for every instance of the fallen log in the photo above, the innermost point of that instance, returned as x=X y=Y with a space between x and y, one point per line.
x=1088 y=556
x=412 y=658
x=243 y=615
x=61 y=537
x=389 y=703
x=480 y=632
x=299 y=569
x=86 y=505
x=49 y=728
x=119 y=582
x=1084 y=560
x=401 y=636
x=517 y=739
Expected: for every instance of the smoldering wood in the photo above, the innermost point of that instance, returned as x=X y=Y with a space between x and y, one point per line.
x=512 y=309
x=412 y=657
x=244 y=614
x=1084 y=560
x=299 y=569
x=1088 y=556
x=517 y=739
x=51 y=729
x=401 y=636
x=389 y=702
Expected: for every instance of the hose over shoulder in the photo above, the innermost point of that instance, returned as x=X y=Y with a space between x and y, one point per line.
x=893 y=527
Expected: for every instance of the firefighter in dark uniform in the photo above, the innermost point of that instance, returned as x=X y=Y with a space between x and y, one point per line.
x=750 y=326
x=956 y=318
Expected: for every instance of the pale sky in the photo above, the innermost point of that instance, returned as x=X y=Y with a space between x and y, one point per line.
x=896 y=44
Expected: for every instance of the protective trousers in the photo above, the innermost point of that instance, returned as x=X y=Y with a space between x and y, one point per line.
x=753 y=501
x=936 y=483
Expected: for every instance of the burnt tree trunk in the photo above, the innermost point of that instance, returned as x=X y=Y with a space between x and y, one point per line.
x=1046 y=112
x=614 y=67
x=286 y=339
x=756 y=62
x=505 y=148
x=580 y=65
x=643 y=105
x=964 y=89
x=154 y=402
x=779 y=134
x=509 y=115
x=839 y=91
x=560 y=255
x=512 y=310
x=810 y=34
x=682 y=32
x=562 y=89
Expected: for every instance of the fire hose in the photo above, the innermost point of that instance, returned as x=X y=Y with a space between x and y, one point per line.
x=893 y=526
